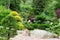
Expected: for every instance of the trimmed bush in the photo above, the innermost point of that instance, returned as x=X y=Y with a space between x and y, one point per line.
x=20 y=26
x=14 y=13
x=19 y=20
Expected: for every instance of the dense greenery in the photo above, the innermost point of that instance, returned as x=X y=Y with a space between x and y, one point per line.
x=16 y=14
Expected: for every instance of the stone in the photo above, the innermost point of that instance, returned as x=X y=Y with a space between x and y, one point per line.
x=23 y=32
x=42 y=34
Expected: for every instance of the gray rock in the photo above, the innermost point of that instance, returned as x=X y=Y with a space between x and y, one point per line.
x=42 y=34
x=23 y=32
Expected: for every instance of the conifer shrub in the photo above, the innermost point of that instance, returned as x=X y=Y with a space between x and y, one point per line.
x=19 y=20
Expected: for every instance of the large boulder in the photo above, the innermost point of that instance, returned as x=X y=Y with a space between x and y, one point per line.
x=42 y=34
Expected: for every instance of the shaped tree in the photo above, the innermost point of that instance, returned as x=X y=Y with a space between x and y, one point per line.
x=9 y=23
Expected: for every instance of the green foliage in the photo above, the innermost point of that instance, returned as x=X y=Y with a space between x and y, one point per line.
x=43 y=11
x=27 y=7
x=42 y=17
x=58 y=4
x=11 y=27
x=43 y=20
x=57 y=29
x=3 y=33
x=3 y=12
x=41 y=26
x=19 y=20
x=11 y=4
x=38 y=6
x=28 y=25
x=15 y=5
x=50 y=8
x=4 y=3
x=16 y=15
x=20 y=26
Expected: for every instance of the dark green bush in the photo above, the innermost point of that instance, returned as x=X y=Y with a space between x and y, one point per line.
x=42 y=26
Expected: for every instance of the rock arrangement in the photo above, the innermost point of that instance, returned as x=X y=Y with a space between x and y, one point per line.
x=38 y=33
x=34 y=35
x=23 y=32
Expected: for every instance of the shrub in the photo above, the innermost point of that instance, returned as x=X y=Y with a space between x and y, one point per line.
x=20 y=26
x=14 y=13
x=28 y=26
x=41 y=17
x=57 y=29
x=18 y=18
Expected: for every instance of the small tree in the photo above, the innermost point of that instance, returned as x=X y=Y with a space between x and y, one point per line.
x=9 y=23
